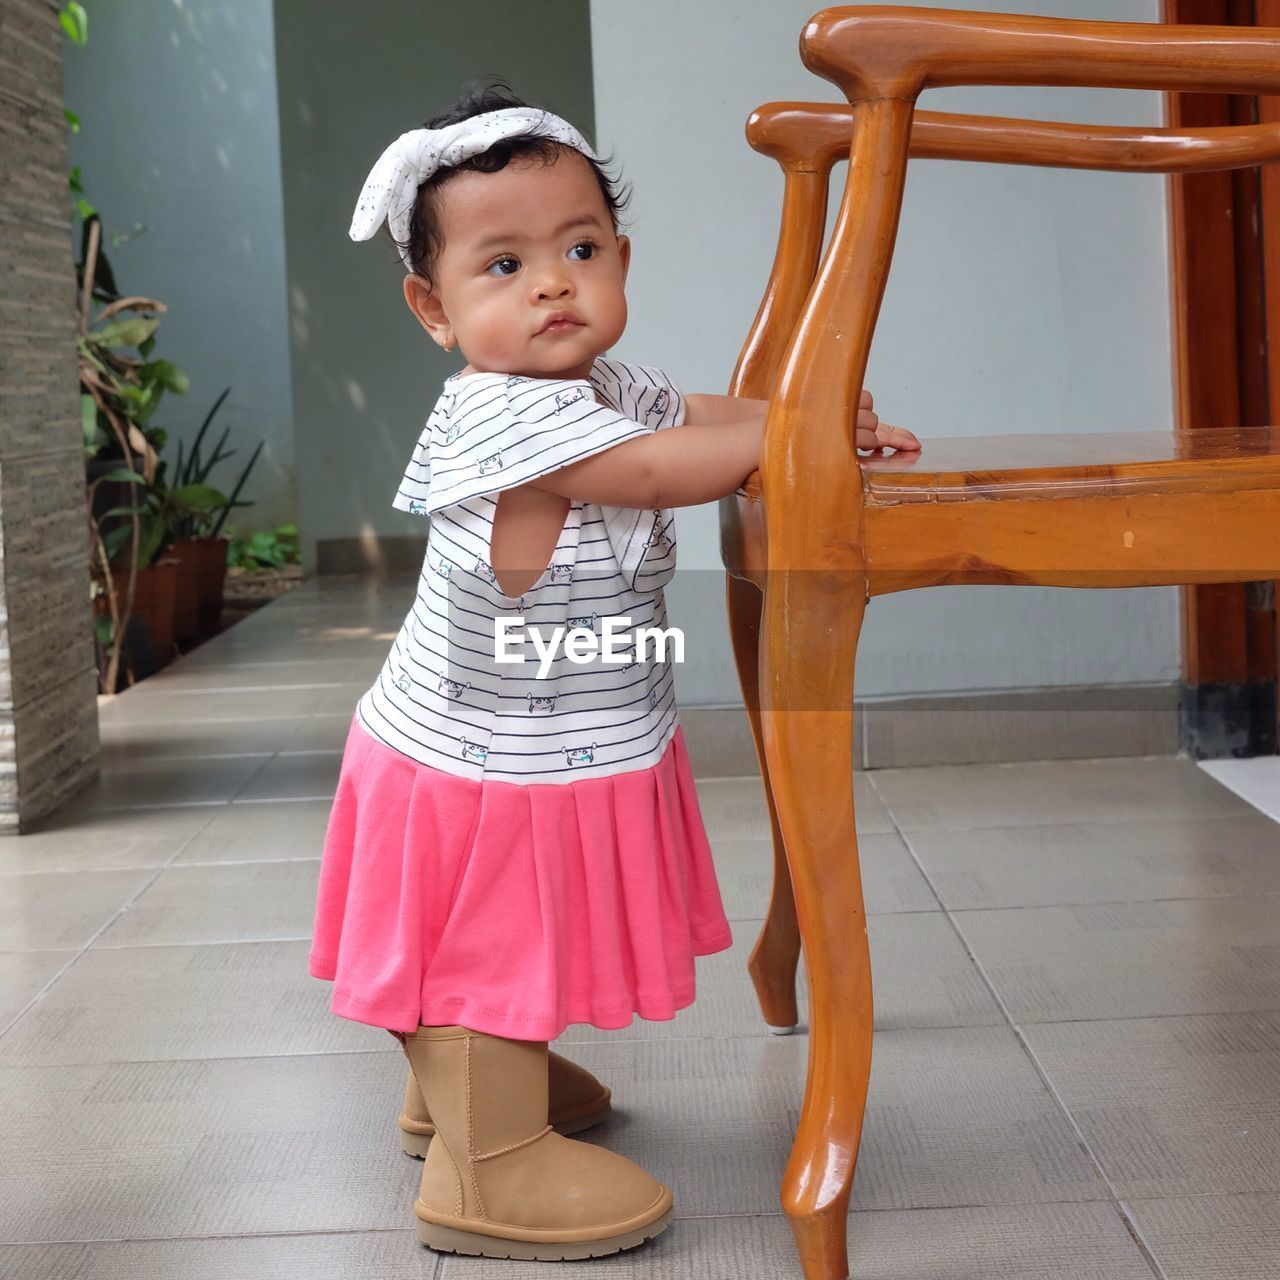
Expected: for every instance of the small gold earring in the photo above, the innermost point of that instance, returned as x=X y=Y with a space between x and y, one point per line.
x=448 y=344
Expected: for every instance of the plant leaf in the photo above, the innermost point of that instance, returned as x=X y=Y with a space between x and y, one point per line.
x=126 y=333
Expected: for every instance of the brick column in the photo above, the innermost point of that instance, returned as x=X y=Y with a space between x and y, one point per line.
x=48 y=678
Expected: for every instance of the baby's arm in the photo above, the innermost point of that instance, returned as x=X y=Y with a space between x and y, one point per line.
x=871 y=432
x=665 y=468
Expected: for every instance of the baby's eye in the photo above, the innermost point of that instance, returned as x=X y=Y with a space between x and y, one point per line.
x=589 y=246
x=497 y=262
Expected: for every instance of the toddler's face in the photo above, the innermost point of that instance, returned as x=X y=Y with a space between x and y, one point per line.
x=521 y=246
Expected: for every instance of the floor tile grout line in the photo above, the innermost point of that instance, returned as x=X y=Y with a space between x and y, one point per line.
x=303 y=1234
x=763 y=1037
x=170 y=758
x=1117 y=1202
x=7 y=1027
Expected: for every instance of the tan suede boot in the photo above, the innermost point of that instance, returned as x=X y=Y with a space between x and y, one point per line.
x=577 y=1101
x=498 y=1182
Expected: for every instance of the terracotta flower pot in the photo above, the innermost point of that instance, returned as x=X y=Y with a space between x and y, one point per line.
x=153 y=604
x=201 y=575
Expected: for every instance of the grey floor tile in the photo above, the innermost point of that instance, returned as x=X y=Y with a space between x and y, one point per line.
x=1130 y=959
x=165 y=708
x=341 y=699
x=22 y=974
x=1173 y=1106
x=366 y=1255
x=923 y=978
x=307 y=1143
x=245 y=998
x=1111 y=790
x=79 y=837
x=323 y=733
x=954 y=1117
x=1087 y=861
x=240 y=902
x=1213 y=1237
x=168 y=781
x=264 y=832
x=1017 y=1242
x=736 y=809
x=55 y=911
x=126 y=741
x=151 y=1003
x=227 y=1147
x=891 y=881
x=179 y=678
x=295 y=776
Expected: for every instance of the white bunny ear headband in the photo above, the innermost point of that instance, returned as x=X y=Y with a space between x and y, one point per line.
x=392 y=185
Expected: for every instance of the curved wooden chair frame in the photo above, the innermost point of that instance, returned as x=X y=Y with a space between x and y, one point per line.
x=819 y=529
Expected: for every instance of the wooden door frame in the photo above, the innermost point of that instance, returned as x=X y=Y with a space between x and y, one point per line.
x=1223 y=256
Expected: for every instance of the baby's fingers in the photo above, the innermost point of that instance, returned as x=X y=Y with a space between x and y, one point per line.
x=884 y=436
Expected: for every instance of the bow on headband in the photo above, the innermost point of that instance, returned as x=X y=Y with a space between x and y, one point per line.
x=392 y=185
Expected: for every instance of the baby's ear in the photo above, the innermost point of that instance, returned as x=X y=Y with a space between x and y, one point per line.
x=624 y=254
x=426 y=306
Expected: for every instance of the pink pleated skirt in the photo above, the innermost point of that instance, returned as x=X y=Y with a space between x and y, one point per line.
x=512 y=909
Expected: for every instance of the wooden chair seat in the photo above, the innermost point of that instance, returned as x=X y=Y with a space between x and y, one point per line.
x=820 y=529
x=1086 y=509
x=1066 y=464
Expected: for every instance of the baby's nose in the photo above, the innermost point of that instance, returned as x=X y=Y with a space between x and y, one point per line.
x=554 y=284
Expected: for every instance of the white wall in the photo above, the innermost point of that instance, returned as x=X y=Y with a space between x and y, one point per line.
x=1020 y=300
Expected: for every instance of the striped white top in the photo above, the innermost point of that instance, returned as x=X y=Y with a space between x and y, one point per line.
x=442 y=697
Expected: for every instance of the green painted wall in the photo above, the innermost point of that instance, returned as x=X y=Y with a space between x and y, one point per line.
x=365 y=374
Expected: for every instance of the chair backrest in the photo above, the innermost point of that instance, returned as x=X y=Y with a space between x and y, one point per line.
x=808 y=349
x=808 y=138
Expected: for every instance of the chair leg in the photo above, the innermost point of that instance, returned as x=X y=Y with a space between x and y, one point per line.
x=772 y=965
x=811 y=625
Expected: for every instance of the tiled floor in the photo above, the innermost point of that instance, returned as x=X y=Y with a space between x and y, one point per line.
x=1077 y=1061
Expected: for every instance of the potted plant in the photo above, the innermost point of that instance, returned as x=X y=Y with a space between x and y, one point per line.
x=195 y=531
x=118 y=394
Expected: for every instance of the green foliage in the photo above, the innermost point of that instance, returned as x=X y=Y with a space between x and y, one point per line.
x=265 y=549
x=195 y=471
x=75 y=22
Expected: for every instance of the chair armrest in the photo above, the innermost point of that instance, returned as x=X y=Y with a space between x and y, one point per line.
x=882 y=51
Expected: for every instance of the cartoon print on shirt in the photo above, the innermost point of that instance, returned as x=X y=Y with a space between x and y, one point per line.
x=544 y=703
x=485 y=570
x=579 y=755
x=443 y=567
x=492 y=463
x=659 y=405
x=565 y=398
x=417 y=506
x=454 y=431
x=473 y=751
x=659 y=533
x=653 y=697
x=404 y=682
x=584 y=622
x=561 y=573
x=452 y=688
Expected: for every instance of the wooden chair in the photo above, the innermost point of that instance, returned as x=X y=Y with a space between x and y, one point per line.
x=819 y=530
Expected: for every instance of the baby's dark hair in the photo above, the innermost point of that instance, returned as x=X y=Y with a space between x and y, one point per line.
x=426 y=239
